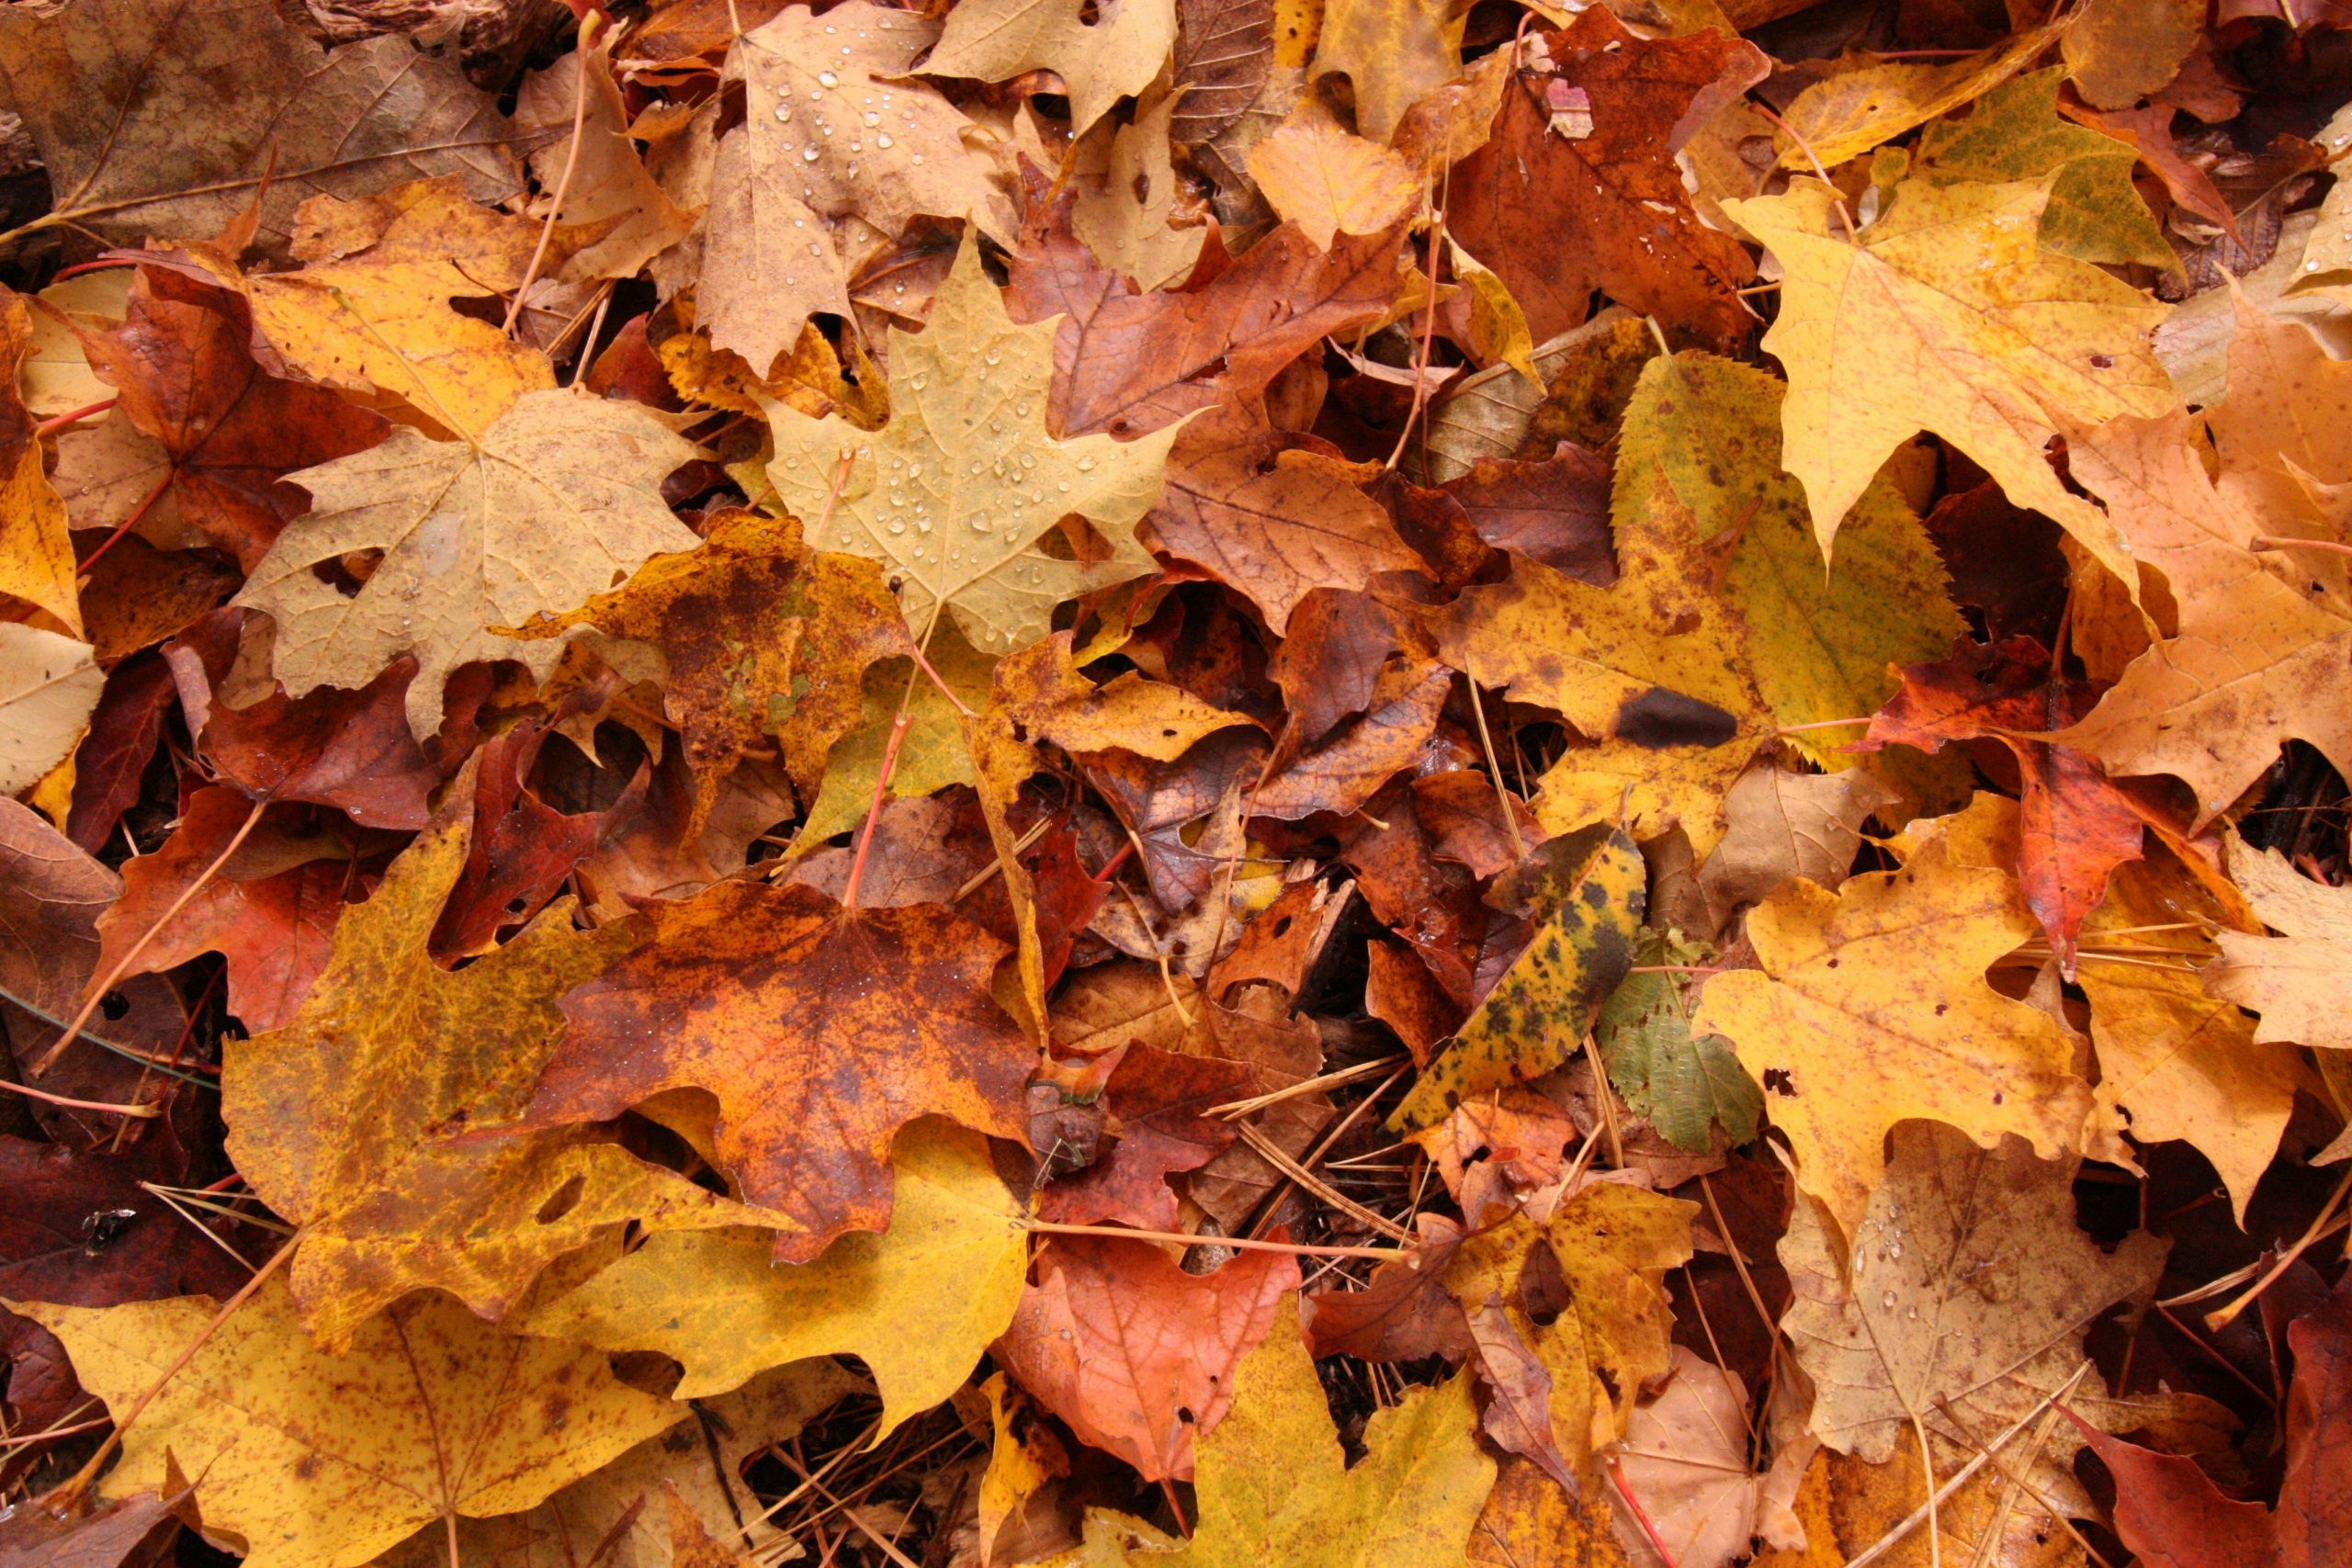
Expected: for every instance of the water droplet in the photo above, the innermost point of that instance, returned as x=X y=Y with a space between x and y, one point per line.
x=980 y=524
x=1063 y=487
x=1887 y=1300
x=897 y=526
x=871 y=118
x=809 y=153
x=883 y=142
x=782 y=114
x=1086 y=465
x=916 y=160
x=992 y=356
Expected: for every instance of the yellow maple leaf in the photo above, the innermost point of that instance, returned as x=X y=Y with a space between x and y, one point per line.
x=957 y=493
x=919 y=1303
x=2294 y=980
x=1274 y=1487
x=335 y=1119
x=1101 y=61
x=557 y=500
x=1945 y=314
x=1872 y=1008
x=318 y=1460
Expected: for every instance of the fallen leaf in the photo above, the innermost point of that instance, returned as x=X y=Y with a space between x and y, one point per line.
x=1686 y=1461
x=1584 y=892
x=1681 y=1082
x=35 y=552
x=786 y=191
x=2118 y=51
x=996 y=493
x=1996 y=368
x=557 y=500
x=1783 y=825
x=1871 y=1007
x=48 y=686
x=1899 y=1331
x=2289 y=980
x=715 y=1301
x=1854 y=111
x=1274 y=1487
x=1616 y=182
x=344 y=1120
x=310 y=1458
x=155 y=120
x=745 y=991
x=1327 y=182
x=1114 y=54
x=1225 y=51
x=1392 y=51
x=1137 y=1355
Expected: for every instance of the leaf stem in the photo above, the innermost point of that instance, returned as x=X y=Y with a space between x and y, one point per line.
x=52 y=426
x=563 y=182
x=2279 y=542
x=122 y=965
x=80 y=1482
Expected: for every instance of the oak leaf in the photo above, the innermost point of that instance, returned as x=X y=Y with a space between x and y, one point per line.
x=1585 y=893
x=2293 y=980
x=1274 y=1485
x=957 y=492
x=559 y=496
x=1224 y=52
x=1973 y=333
x=157 y=117
x=1135 y=1354
x=919 y=1303
x=1872 y=1008
x=312 y=1459
x=1614 y=179
x=747 y=991
x=1100 y=56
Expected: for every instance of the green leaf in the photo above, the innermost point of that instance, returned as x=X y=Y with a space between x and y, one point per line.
x=1682 y=1084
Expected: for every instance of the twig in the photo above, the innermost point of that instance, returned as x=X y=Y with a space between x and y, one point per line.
x=1486 y=740
x=52 y=426
x=122 y=965
x=80 y=1482
x=563 y=182
x=1240 y=1242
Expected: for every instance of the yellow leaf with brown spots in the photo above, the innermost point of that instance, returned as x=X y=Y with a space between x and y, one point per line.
x=345 y=1119
x=1587 y=891
x=318 y=1460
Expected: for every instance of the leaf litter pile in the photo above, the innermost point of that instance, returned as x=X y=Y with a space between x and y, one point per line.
x=1274 y=782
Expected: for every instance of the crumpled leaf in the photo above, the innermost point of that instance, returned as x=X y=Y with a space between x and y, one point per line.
x=312 y=1459
x=919 y=1303
x=158 y=117
x=1870 y=1008
x=955 y=493
x=560 y=496
x=346 y=1118
x=747 y=991
x=1974 y=333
